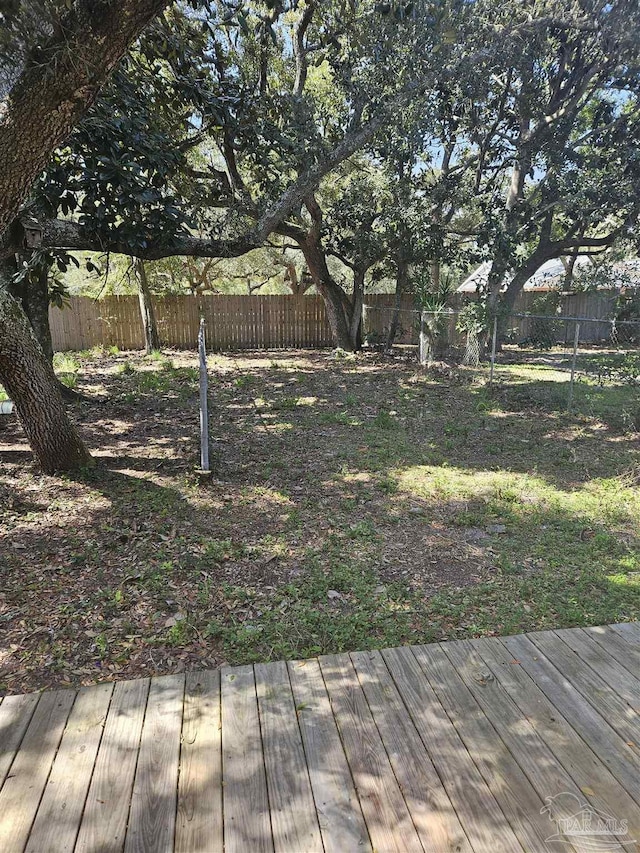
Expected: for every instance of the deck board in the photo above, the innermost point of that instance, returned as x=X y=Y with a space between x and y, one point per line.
x=619 y=679
x=621 y=645
x=22 y=789
x=247 y=823
x=58 y=819
x=437 y=824
x=470 y=746
x=15 y=716
x=629 y=630
x=620 y=716
x=106 y=810
x=517 y=732
x=340 y=817
x=152 y=817
x=199 y=817
x=293 y=815
x=481 y=816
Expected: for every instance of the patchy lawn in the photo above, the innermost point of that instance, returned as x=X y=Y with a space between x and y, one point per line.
x=355 y=503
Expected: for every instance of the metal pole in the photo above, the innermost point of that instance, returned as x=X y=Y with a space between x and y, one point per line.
x=422 y=352
x=204 y=409
x=363 y=322
x=576 y=337
x=493 y=348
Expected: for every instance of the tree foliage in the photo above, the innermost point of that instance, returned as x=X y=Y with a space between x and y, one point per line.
x=381 y=136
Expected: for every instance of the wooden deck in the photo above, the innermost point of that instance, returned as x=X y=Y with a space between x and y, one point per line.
x=476 y=745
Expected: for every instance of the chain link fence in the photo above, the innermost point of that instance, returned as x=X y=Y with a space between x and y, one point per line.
x=571 y=356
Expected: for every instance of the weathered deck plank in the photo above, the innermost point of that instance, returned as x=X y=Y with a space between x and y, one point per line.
x=293 y=815
x=518 y=799
x=619 y=679
x=152 y=817
x=481 y=816
x=58 y=820
x=629 y=630
x=199 y=818
x=24 y=784
x=104 y=821
x=389 y=821
x=339 y=814
x=531 y=752
x=622 y=718
x=618 y=644
x=472 y=746
x=435 y=820
x=594 y=728
x=15 y=716
x=592 y=777
x=516 y=796
x=247 y=823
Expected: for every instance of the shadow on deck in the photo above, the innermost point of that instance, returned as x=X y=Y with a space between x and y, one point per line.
x=525 y=743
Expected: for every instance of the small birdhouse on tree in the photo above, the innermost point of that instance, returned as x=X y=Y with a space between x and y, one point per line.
x=32 y=235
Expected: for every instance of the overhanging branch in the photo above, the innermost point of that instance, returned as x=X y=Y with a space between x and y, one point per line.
x=64 y=234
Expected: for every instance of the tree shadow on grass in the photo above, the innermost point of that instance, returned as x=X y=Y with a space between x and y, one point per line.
x=379 y=485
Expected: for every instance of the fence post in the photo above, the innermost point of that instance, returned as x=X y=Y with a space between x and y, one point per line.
x=576 y=338
x=363 y=323
x=204 y=408
x=422 y=352
x=493 y=348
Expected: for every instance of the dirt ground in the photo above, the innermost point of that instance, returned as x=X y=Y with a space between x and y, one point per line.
x=353 y=503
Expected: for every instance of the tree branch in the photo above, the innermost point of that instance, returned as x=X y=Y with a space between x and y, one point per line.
x=60 y=233
x=49 y=97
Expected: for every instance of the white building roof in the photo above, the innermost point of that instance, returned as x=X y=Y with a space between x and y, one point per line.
x=543 y=278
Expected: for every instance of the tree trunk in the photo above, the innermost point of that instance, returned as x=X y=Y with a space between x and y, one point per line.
x=339 y=321
x=435 y=268
x=355 y=327
x=30 y=382
x=569 y=267
x=151 y=337
x=495 y=282
x=34 y=297
x=504 y=303
x=57 y=85
x=402 y=276
x=338 y=308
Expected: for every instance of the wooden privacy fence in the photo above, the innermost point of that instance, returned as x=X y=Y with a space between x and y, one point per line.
x=379 y=312
x=233 y=322
x=251 y=322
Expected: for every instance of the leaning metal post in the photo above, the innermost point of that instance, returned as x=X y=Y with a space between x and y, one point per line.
x=493 y=348
x=576 y=337
x=422 y=353
x=204 y=409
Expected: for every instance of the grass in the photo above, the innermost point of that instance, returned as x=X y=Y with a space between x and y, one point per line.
x=67 y=368
x=355 y=504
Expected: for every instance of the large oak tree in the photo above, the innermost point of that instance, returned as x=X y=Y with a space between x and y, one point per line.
x=55 y=57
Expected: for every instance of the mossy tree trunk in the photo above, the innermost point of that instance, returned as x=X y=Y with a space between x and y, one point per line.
x=337 y=306
x=28 y=378
x=147 y=313
x=402 y=278
x=48 y=98
x=33 y=295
